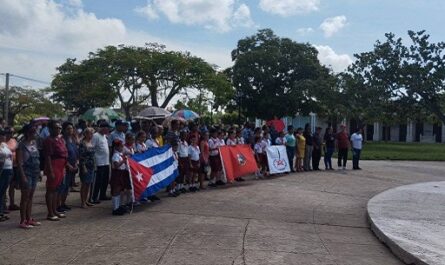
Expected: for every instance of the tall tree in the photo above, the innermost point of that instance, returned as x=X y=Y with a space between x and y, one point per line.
x=169 y=73
x=134 y=75
x=122 y=68
x=410 y=76
x=276 y=76
x=80 y=87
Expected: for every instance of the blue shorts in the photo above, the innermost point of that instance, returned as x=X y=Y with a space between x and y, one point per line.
x=32 y=179
x=87 y=177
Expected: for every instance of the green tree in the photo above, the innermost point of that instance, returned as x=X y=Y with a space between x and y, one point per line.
x=169 y=73
x=122 y=67
x=276 y=76
x=80 y=87
x=408 y=78
x=134 y=75
x=27 y=103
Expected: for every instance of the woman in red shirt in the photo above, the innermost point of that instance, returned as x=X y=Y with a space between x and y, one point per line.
x=56 y=155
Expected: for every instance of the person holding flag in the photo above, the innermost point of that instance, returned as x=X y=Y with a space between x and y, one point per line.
x=120 y=179
x=215 y=159
x=231 y=141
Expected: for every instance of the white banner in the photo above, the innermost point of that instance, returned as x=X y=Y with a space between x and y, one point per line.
x=277 y=159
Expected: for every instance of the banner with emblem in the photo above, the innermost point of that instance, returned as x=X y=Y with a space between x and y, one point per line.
x=277 y=159
x=238 y=161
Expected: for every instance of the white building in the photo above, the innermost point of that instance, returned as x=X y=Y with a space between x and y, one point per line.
x=410 y=132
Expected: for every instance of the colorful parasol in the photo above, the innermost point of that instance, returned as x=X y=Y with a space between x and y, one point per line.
x=185 y=114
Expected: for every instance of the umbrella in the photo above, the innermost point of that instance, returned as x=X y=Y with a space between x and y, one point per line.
x=154 y=113
x=96 y=114
x=142 y=118
x=186 y=114
x=168 y=120
x=41 y=119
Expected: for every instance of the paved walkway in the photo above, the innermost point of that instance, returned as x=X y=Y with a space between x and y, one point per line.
x=410 y=220
x=310 y=218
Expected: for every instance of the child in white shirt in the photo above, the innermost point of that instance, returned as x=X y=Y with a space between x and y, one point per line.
x=194 y=155
x=184 y=162
x=120 y=179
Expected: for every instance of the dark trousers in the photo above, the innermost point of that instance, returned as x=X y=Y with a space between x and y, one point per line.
x=328 y=157
x=316 y=157
x=101 y=182
x=5 y=179
x=342 y=156
x=290 y=150
x=355 y=157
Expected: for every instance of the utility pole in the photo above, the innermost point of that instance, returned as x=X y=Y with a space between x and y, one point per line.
x=6 y=108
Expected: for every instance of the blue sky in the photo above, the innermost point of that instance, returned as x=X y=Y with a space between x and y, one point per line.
x=38 y=35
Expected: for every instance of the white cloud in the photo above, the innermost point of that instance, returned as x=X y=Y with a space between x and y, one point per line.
x=305 y=31
x=241 y=17
x=148 y=11
x=44 y=25
x=328 y=57
x=289 y=7
x=332 y=25
x=36 y=36
x=221 y=15
x=75 y=3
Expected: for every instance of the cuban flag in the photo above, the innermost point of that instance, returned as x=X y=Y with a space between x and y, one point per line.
x=152 y=171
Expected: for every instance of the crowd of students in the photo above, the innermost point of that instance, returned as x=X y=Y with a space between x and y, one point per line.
x=60 y=151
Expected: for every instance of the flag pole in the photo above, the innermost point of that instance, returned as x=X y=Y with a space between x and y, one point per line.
x=222 y=164
x=132 y=187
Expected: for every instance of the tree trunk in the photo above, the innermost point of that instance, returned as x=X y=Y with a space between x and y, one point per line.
x=11 y=118
x=153 y=88
x=127 y=109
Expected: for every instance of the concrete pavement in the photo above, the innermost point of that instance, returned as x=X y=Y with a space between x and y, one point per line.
x=306 y=218
x=410 y=220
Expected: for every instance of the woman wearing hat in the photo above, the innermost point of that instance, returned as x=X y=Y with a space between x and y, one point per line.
x=28 y=167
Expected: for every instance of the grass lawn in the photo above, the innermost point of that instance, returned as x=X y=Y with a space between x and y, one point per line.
x=402 y=151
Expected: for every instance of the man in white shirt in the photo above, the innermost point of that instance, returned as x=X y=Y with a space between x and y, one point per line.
x=102 y=158
x=357 y=145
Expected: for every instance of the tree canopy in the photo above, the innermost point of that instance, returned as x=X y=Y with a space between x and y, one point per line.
x=133 y=76
x=276 y=76
x=27 y=103
x=400 y=80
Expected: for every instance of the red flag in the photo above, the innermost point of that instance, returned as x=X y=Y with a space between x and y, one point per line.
x=238 y=160
x=140 y=176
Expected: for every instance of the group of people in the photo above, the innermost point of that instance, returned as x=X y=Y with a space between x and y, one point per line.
x=98 y=155
x=306 y=148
